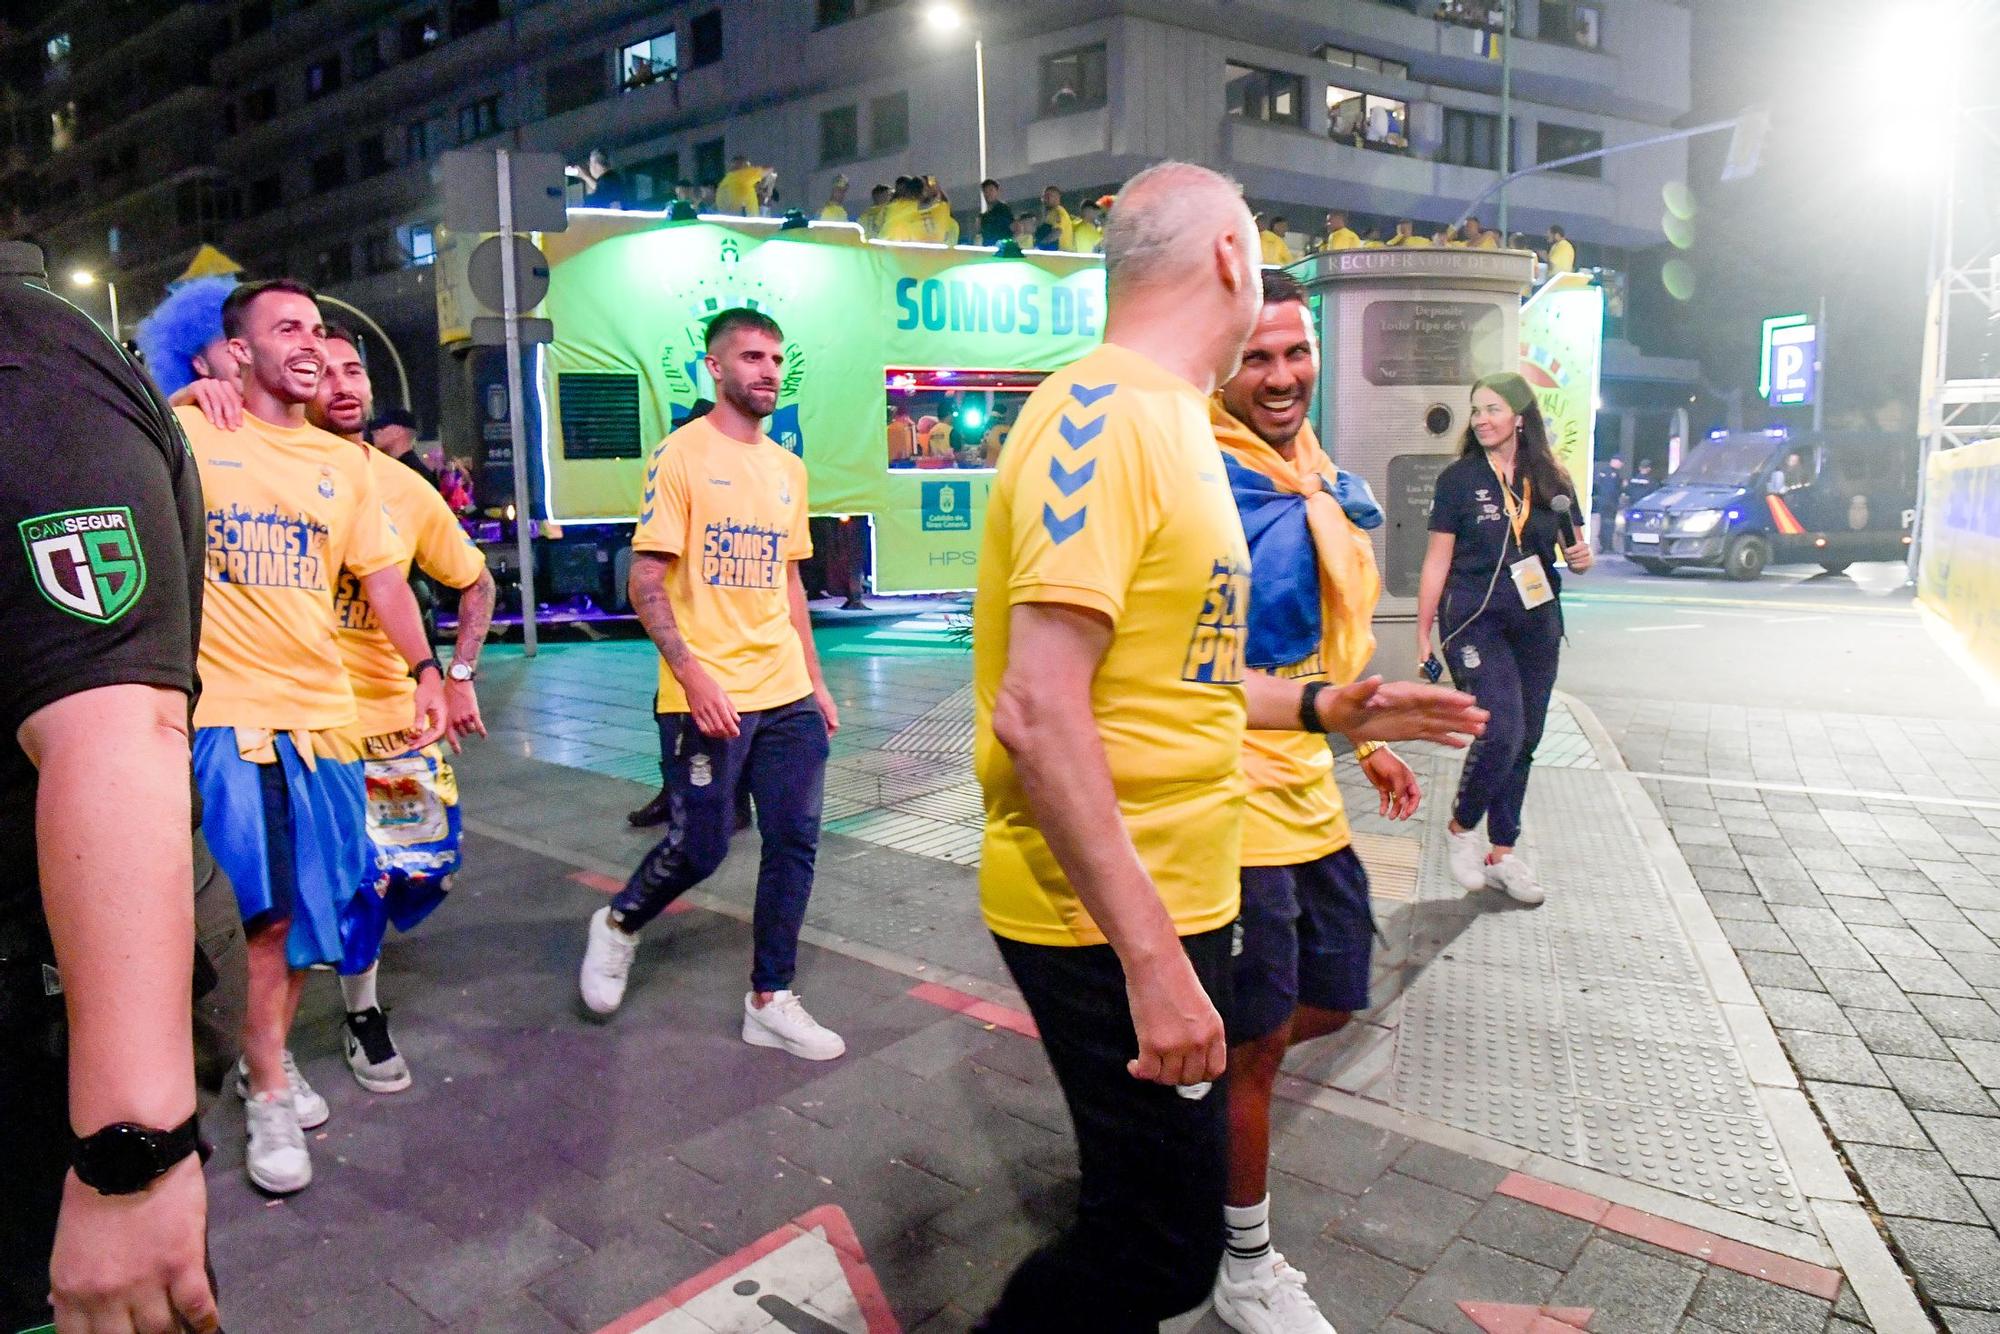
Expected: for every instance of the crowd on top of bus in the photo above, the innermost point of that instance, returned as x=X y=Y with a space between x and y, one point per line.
x=916 y=208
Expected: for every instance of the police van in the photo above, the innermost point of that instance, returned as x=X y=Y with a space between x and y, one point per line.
x=1742 y=500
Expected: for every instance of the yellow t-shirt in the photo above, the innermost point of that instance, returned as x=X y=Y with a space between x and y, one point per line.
x=1111 y=497
x=906 y=220
x=1562 y=256
x=902 y=439
x=1087 y=237
x=1064 y=222
x=1488 y=240
x=1343 y=238
x=383 y=691
x=737 y=192
x=1410 y=240
x=871 y=219
x=943 y=226
x=1276 y=249
x=287 y=509
x=735 y=516
x=832 y=212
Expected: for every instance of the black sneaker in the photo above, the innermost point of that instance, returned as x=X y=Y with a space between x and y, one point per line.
x=653 y=812
x=371 y=1053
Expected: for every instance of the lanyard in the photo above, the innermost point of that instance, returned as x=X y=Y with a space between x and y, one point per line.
x=1517 y=515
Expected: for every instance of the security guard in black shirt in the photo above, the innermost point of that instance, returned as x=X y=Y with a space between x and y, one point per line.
x=104 y=1206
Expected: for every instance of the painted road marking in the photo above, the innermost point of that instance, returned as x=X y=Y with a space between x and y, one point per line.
x=1769 y=604
x=1865 y=794
x=808 y=1277
x=1649 y=629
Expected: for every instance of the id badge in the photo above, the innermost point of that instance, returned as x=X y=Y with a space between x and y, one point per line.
x=1532 y=582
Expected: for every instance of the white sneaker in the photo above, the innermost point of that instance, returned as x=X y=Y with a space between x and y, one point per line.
x=1514 y=878
x=1467 y=852
x=371 y=1052
x=1273 y=1300
x=784 y=1023
x=607 y=962
x=307 y=1103
x=276 y=1159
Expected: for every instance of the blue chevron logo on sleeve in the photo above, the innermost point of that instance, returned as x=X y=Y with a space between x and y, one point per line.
x=645 y=516
x=1076 y=437
x=1067 y=482
x=1060 y=529
x=1087 y=396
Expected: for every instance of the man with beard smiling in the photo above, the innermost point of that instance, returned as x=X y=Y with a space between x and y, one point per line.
x=288 y=507
x=1302 y=969
x=414 y=856
x=715 y=580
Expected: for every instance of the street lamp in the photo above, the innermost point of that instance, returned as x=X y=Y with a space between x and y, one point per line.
x=944 y=16
x=85 y=278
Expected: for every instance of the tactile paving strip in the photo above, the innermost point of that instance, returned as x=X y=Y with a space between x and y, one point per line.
x=1582 y=1029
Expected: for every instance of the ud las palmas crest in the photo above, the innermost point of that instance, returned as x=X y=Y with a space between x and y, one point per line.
x=680 y=358
x=87 y=561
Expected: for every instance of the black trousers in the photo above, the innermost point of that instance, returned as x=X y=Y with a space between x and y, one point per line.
x=1148 y=1233
x=1505 y=658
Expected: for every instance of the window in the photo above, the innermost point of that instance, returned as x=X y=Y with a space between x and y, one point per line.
x=424 y=139
x=329 y=171
x=372 y=155
x=708 y=162
x=1471 y=139
x=57 y=49
x=380 y=253
x=323 y=77
x=333 y=265
x=650 y=61
x=364 y=58
x=478 y=119
x=419 y=243
x=418 y=35
x=650 y=184
x=253 y=18
x=1559 y=141
x=705 y=39
x=839 y=134
x=62 y=127
x=1570 y=23
x=1264 y=94
x=260 y=104
x=265 y=194
x=888 y=124
x=1340 y=55
x=1073 y=80
x=472 y=15
x=572 y=84
x=1368 y=120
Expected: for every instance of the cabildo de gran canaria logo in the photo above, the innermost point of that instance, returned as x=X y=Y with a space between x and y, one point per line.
x=722 y=287
x=86 y=562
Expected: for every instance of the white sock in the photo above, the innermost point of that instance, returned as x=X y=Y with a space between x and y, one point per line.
x=359 y=991
x=1249 y=1238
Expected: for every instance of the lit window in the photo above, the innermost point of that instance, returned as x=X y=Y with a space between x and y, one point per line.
x=420 y=243
x=1264 y=94
x=1368 y=120
x=650 y=61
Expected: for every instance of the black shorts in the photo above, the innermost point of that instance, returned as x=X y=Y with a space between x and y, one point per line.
x=1307 y=936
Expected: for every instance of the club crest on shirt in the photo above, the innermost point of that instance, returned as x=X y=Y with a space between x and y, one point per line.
x=86 y=562
x=326 y=481
x=1215 y=649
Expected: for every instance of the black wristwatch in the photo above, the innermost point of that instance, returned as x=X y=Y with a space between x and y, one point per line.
x=1309 y=707
x=125 y=1158
x=417 y=672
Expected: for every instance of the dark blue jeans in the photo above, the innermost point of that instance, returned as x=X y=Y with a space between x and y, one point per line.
x=1506 y=658
x=780 y=756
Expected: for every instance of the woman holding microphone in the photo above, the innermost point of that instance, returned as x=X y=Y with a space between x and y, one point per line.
x=1498 y=517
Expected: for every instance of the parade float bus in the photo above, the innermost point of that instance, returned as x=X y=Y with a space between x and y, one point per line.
x=906 y=365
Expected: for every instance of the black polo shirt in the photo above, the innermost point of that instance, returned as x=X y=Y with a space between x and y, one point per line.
x=1468 y=504
x=100 y=509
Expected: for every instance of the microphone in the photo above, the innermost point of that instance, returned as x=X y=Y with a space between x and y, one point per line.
x=1561 y=506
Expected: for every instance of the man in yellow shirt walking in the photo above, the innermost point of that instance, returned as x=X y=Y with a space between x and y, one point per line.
x=1306 y=927
x=1110 y=705
x=289 y=509
x=715 y=580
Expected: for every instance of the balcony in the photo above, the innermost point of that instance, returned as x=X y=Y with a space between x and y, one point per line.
x=1077 y=134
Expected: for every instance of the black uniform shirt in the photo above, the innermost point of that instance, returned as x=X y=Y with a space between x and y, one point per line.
x=100 y=509
x=1468 y=504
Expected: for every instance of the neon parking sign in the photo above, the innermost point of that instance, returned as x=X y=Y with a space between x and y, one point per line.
x=1790 y=369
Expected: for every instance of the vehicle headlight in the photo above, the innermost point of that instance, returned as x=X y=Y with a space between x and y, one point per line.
x=1701 y=521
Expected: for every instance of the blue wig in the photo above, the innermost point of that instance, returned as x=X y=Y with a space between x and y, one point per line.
x=179 y=328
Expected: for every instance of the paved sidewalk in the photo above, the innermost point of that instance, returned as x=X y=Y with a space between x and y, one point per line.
x=1579 y=1108
x=1854 y=862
